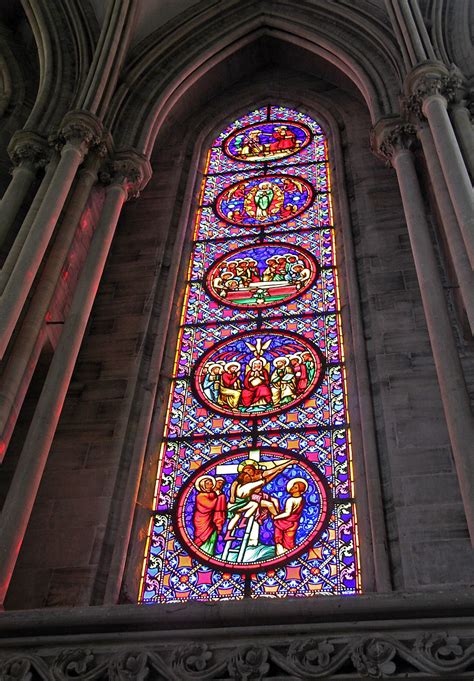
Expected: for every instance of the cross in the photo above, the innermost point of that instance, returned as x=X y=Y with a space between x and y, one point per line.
x=227 y=468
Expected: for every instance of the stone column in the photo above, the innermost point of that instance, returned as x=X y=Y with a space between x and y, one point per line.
x=21 y=235
x=29 y=152
x=21 y=362
x=78 y=132
x=431 y=86
x=410 y=30
x=461 y=117
x=455 y=243
x=393 y=142
x=130 y=172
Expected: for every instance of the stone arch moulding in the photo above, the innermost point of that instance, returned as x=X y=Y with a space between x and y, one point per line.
x=165 y=68
x=375 y=567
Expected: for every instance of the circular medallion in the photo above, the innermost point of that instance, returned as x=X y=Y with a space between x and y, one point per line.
x=252 y=509
x=264 y=200
x=267 y=141
x=261 y=276
x=258 y=373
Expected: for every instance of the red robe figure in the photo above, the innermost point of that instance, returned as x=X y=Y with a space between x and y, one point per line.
x=301 y=374
x=204 y=522
x=220 y=512
x=256 y=391
x=284 y=139
x=286 y=523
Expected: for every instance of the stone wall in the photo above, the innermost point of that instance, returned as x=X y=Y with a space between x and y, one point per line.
x=77 y=515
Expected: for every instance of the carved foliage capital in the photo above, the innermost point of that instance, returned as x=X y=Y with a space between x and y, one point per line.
x=429 y=79
x=389 y=137
x=28 y=147
x=79 y=129
x=130 y=170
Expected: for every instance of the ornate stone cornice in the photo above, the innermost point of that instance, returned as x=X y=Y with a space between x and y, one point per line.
x=390 y=135
x=27 y=147
x=129 y=169
x=80 y=129
x=432 y=654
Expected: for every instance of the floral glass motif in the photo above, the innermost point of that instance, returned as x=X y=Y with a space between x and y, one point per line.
x=254 y=495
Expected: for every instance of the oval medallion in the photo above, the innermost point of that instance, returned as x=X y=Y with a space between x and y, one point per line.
x=261 y=276
x=258 y=373
x=267 y=141
x=251 y=509
x=264 y=200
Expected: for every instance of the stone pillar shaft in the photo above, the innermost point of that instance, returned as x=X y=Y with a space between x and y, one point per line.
x=455 y=173
x=79 y=131
x=15 y=250
x=21 y=496
x=29 y=152
x=450 y=376
x=462 y=267
x=27 y=265
x=22 y=360
x=26 y=480
x=22 y=179
x=465 y=134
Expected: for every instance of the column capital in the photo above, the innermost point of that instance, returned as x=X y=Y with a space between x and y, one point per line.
x=128 y=169
x=429 y=80
x=80 y=129
x=29 y=148
x=391 y=135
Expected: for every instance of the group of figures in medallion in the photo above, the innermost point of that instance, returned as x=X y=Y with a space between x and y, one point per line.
x=236 y=501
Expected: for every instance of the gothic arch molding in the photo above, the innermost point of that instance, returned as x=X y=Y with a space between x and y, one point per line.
x=65 y=36
x=165 y=68
x=189 y=155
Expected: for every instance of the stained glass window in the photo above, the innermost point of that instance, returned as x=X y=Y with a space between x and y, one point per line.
x=254 y=494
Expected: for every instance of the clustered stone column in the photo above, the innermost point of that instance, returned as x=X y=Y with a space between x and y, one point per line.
x=126 y=175
x=21 y=361
x=394 y=140
x=79 y=131
x=430 y=87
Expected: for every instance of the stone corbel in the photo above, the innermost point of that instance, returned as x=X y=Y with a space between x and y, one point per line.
x=390 y=135
x=129 y=170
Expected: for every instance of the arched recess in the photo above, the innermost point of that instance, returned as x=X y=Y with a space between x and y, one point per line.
x=180 y=144
x=353 y=43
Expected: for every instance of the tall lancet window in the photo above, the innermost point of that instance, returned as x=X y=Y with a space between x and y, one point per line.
x=254 y=494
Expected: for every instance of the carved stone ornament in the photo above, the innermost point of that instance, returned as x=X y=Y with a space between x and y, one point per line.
x=129 y=169
x=405 y=655
x=27 y=147
x=391 y=135
x=80 y=129
x=427 y=80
